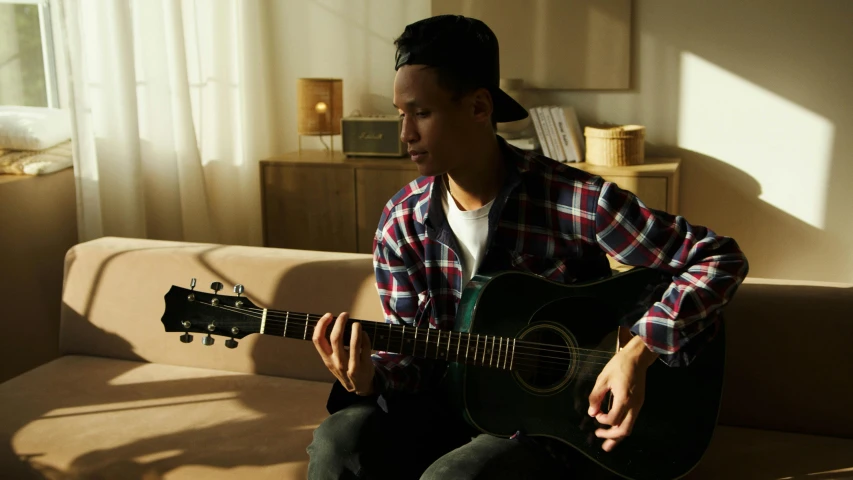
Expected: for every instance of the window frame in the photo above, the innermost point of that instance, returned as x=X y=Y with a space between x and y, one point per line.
x=48 y=48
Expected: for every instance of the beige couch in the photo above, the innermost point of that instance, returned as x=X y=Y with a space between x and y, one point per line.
x=128 y=400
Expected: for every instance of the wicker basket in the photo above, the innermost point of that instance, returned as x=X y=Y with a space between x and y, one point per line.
x=611 y=146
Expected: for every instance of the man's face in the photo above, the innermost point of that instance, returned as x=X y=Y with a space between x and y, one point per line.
x=436 y=127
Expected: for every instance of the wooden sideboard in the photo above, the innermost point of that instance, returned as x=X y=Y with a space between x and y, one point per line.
x=319 y=201
x=655 y=182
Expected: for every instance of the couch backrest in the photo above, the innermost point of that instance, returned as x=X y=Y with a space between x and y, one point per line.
x=789 y=357
x=113 y=300
x=789 y=360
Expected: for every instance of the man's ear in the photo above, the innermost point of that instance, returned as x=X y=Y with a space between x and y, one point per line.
x=482 y=105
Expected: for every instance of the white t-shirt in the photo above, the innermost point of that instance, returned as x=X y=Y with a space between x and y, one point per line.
x=471 y=229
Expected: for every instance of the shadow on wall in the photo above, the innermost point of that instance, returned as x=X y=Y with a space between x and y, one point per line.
x=727 y=200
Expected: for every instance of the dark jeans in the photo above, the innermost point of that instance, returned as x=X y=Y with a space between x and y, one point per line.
x=419 y=440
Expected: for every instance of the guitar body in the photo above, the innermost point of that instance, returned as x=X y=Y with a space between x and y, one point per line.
x=681 y=404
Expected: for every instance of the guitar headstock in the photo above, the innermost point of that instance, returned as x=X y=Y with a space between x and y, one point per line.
x=190 y=311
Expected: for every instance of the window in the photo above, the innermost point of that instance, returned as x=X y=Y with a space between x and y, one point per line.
x=27 y=61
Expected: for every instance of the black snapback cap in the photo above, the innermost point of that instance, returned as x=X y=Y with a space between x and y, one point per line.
x=466 y=46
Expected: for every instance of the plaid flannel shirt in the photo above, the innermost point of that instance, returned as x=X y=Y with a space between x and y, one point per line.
x=558 y=222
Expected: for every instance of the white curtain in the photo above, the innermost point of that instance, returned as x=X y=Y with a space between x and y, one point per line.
x=170 y=101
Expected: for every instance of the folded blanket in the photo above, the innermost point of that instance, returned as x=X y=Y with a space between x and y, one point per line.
x=36 y=162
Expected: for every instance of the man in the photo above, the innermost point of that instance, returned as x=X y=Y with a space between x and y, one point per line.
x=482 y=205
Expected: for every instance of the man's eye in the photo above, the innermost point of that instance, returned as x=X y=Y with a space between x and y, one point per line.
x=422 y=114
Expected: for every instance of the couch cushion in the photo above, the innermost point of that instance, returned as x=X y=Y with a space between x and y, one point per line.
x=744 y=453
x=88 y=417
x=114 y=289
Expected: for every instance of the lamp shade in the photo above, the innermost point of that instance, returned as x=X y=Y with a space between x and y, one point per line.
x=320 y=103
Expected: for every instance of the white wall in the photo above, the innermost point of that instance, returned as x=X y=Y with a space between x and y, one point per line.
x=348 y=39
x=755 y=97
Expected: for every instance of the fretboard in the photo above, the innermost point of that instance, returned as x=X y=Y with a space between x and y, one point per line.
x=423 y=342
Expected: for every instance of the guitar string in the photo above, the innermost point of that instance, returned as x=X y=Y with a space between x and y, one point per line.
x=521 y=345
x=486 y=347
x=301 y=316
x=300 y=325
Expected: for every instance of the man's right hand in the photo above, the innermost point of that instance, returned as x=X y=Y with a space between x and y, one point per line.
x=353 y=367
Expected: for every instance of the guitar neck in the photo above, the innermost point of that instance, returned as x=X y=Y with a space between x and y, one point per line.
x=424 y=342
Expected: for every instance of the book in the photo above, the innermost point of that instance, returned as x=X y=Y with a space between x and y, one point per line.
x=569 y=116
x=540 y=131
x=563 y=135
x=550 y=128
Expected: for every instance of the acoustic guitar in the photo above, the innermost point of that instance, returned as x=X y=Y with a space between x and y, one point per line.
x=524 y=356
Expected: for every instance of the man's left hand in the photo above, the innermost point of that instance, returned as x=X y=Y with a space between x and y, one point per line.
x=625 y=377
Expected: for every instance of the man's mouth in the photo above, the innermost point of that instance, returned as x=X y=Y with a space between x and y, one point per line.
x=417 y=155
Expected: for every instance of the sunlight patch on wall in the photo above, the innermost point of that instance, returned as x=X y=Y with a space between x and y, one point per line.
x=785 y=147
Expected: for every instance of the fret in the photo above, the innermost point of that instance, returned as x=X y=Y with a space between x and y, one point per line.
x=513 y=354
x=426 y=342
x=485 y=348
x=305 y=333
x=476 y=347
x=264 y=320
x=415 y=346
x=388 y=343
x=467 y=346
x=437 y=344
x=507 y=352
x=500 y=345
x=403 y=339
x=286 y=318
x=458 y=344
x=492 y=352
x=449 y=336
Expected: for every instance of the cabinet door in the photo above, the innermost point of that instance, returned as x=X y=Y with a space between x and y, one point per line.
x=650 y=190
x=310 y=207
x=374 y=187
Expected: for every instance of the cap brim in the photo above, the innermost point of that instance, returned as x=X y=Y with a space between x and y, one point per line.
x=506 y=109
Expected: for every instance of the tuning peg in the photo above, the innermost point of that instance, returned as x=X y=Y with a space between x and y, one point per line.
x=208 y=340
x=238 y=289
x=186 y=337
x=216 y=287
x=231 y=343
x=191 y=296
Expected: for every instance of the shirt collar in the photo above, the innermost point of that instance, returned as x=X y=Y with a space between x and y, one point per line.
x=516 y=161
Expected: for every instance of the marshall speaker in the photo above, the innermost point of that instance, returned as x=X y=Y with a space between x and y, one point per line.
x=373 y=136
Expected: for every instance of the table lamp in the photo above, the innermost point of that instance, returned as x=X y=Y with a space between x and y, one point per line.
x=320 y=103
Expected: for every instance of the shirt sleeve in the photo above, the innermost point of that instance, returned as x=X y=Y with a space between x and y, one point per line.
x=396 y=275
x=706 y=270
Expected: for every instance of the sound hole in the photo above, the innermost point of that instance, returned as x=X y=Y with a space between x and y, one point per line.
x=546 y=361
